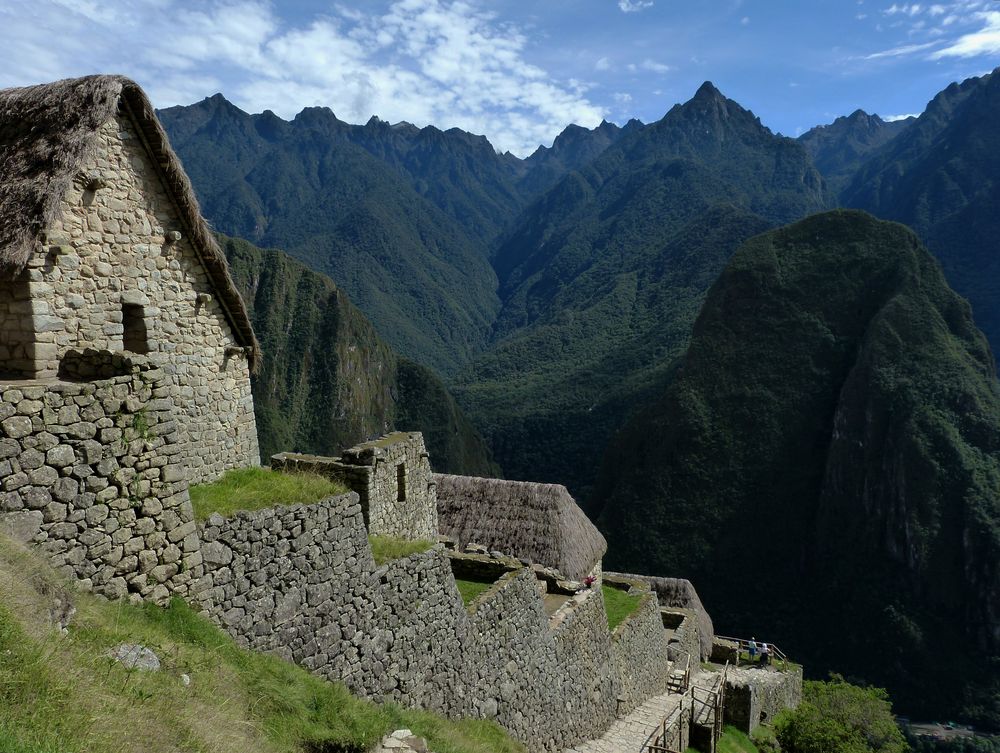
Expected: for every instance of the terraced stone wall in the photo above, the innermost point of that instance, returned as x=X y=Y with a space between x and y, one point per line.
x=301 y=582
x=640 y=654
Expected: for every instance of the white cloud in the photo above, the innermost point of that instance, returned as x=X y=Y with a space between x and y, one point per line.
x=906 y=49
x=602 y=64
x=894 y=118
x=424 y=61
x=654 y=66
x=903 y=10
x=622 y=98
x=986 y=41
x=634 y=6
x=650 y=65
x=745 y=20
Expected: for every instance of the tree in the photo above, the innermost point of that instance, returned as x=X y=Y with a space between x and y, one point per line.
x=837 y=717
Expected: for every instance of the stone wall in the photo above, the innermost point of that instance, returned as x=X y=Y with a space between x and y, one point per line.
x=392 y=477
x=90 y=473
x=683 y=640
x=639 y=654
x=118 y=274
x=301 y=582
x=425 y=630
x=680 y=593
x=755 y=695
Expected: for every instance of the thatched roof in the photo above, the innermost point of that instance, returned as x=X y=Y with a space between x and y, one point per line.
x=46 y=134
x=539 y=522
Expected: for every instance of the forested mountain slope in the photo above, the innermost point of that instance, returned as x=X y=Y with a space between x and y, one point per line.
x=306 y=188
x=825 y=465
x=328 y=381
x=839 y=149
x=941 y=177
x=603 y=275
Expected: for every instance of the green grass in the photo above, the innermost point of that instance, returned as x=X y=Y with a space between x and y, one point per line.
x=735 y=741
x=470 y=589
x=618 y=605
x=60 y=694
x=258 y=488
x=386 y=548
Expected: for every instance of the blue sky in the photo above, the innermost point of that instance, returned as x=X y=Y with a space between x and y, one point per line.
x=516 y=71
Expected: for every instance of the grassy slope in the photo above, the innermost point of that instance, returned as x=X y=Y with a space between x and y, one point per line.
x=60 y=694
x=618 y=605
x=387 y=548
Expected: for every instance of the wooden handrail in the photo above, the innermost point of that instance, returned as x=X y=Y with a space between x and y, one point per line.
x=744 y=643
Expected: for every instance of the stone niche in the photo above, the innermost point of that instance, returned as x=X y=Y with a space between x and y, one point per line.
x=18 y=339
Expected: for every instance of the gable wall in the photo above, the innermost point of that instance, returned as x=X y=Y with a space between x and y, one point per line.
x=109 y=248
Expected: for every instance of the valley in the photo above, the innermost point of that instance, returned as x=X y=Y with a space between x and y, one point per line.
x=810 y=416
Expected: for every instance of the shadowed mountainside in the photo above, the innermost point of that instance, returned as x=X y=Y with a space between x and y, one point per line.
x=825 y=464
x=328 y=381
x=941 y=176
x=603 y=275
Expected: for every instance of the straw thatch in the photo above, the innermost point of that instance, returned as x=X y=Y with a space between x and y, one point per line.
x=538 y=522
x=46 y=134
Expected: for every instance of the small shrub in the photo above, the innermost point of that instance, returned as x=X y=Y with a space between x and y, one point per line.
x=837 y=717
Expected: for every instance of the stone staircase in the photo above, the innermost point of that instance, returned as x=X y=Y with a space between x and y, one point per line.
x=632 y=733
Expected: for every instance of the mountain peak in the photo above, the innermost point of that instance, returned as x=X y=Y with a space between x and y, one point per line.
x=707 y=91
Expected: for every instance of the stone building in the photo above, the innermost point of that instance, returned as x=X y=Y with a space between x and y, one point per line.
x=103 y=251
x=392 y=478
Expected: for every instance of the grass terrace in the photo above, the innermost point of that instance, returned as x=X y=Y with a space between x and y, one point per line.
x=470 y=589
x=62 y=694
x=258 y=488
x=618 y=605
x=388 y=548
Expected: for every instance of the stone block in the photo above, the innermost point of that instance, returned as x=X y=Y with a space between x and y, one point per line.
x=21 y=526
x=16 y=427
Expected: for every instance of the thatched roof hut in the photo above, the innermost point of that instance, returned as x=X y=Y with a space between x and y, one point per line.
x=538 y=522
x=48 y=132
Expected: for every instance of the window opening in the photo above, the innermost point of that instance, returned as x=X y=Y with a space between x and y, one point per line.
x=401 y=482
x=135 y=338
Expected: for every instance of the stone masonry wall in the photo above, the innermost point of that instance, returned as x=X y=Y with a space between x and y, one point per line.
x=114 y=264
x=301 y=582
x=639 y=653
x=755 y=695
x=680 y=593
x=392 y=477
x=90 y=474
x=425 y=629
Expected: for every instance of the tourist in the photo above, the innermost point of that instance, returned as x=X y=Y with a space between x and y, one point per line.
x=765 y=653
x=752 y=650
